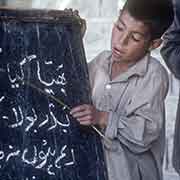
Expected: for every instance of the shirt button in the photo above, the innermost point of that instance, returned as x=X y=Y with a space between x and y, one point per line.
x=108 y=86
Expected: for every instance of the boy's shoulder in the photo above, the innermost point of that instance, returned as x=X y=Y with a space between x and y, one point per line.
x=101 y=58
x=155 y=64
x=156 y=68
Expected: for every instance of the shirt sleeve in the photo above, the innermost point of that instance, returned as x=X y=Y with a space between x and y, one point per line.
x=143 y=123
x=94 y=65
x=170 y=50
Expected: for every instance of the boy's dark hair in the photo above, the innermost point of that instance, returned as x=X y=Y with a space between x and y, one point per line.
x=157 y=14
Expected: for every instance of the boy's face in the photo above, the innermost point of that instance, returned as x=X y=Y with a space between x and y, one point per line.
x=131 y=39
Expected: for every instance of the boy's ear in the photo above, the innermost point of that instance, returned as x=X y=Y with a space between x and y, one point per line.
x=155 y=44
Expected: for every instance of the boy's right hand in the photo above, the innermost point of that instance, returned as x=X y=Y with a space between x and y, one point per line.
x=88 y=115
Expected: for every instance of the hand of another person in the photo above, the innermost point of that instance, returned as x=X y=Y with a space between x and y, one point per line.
x=88 y=115
x=83 y=21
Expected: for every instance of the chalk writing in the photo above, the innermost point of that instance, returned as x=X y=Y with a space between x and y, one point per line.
x=18 y=116
x=43 y=75
x=31 y=121
x=16 y=74
x=39 y=159
x=31 y=118
x=2 y=98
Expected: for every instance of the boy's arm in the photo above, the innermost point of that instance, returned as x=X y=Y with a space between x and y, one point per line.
x=88 y=114
x=171 y=48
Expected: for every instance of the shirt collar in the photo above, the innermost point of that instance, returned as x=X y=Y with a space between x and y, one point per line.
x=138 y=69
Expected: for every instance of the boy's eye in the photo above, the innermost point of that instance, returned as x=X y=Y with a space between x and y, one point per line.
x=136 y=37
x=118 y=27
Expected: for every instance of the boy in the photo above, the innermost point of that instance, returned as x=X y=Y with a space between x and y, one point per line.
x=128 y=91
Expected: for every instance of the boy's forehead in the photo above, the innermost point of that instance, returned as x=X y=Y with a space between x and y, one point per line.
x=130 y=22
x=124 y=15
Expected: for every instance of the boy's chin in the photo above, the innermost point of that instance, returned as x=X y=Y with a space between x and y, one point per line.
x=116 y=58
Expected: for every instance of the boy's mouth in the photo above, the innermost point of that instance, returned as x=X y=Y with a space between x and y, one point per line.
x=117 y=52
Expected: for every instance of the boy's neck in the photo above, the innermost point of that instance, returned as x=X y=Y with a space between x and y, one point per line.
x=119 y=68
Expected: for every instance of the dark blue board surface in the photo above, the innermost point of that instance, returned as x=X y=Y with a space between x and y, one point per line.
x=38 y=138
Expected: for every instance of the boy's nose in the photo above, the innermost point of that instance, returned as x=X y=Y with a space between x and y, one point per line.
x=124 y=39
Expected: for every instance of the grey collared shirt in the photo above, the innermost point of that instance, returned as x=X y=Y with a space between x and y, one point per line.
x=136 y=123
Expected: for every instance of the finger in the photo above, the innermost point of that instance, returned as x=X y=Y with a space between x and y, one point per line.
x=76 y=12
x=85 y=123
x=83 y=27
x=78 y=109
x=81 y=114
x=85 y=118
x=67 y=10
